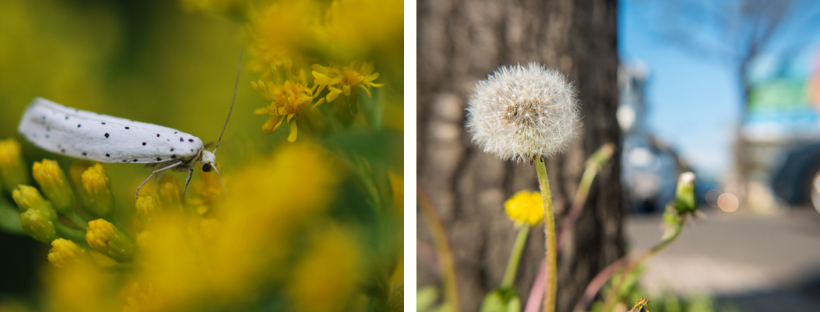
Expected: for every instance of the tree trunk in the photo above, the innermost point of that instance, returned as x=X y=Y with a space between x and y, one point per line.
x=461 y=42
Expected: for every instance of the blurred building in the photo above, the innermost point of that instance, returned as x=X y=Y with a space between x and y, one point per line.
x=649 y=167
x=779 y=140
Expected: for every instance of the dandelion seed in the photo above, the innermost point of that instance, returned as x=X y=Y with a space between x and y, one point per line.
x=523 y=112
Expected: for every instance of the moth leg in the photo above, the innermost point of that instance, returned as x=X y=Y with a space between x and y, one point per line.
x=137 y=194
x=188 y=179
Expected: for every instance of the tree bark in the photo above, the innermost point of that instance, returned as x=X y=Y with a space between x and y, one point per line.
x=461 y=42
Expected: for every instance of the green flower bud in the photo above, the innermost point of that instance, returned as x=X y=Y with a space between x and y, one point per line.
x=12 y=168
x=38 y=226
x=55 y=186
x=27 y=198
x=685 y=196
x=97 y=187
x=107 y=239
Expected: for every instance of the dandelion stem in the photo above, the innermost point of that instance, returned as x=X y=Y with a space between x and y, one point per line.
x=549 y=231
x=515 y=257
x=613 y=294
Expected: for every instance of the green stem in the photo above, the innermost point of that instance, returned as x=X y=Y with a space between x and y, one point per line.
x=550 y=286
x=515 y=257
x=73 y=234
x=609 y=304
x=445 y=253
x=80 y=222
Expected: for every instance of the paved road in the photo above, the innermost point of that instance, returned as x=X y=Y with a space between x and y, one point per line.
x=763 y=263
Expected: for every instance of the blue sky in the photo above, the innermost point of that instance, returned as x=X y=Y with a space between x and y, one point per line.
x=693 y=101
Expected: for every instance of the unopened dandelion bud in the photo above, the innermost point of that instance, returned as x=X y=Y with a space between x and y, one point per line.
x=64 y=252
x=38 y=225
x=97 y=187
x=12 y=168
x=601 y=156
x=170 y=192
x=523 y=112
x=55 y=186
x=107 y=239
x=525 y=207
x=685 y=195
x=147 y=207
x=27 y=197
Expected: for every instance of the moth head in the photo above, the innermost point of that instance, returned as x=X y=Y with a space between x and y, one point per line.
x=208 y=160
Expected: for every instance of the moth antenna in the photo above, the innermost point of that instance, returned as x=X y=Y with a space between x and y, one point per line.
x=220 y=180
x=235 y=85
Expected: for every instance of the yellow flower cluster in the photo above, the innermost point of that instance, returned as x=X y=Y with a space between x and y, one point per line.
x=289 y=35
x=166 y=254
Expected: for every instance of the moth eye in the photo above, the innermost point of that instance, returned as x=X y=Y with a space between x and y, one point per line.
x=206 y=167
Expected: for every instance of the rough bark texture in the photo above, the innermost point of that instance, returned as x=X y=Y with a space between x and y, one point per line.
x=461 y=42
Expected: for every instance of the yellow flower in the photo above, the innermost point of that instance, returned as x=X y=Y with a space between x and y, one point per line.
x=54 y=184
x=12 y=169
x=286 y=101
x=341 y=79
x=326 y=277
x=525 y=207
x=65 y=252
x=107 y=239
x=170 y=192
x=97 y=188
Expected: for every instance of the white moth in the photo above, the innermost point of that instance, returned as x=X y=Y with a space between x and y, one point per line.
x=93 y=136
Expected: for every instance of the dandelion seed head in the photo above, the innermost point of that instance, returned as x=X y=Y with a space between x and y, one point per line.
x=523 y=111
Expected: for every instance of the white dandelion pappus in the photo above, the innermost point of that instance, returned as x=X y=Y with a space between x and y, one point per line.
x=93 y=136
x=523 y=112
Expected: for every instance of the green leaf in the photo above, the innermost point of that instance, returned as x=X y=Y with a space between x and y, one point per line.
x=10 y=219
x=425 y=298
x=501 y=300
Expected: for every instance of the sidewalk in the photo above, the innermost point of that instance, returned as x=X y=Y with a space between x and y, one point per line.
x=764 y=263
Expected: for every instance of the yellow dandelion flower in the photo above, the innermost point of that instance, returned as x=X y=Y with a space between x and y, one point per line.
x=342 y=79
x=286 y=101
x=525 y=207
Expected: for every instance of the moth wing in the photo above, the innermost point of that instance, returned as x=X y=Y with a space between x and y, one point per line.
x=88 y=135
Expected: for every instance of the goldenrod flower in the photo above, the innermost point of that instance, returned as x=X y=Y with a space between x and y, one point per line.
x=75 y=173
x=65 y=252
x=12 y=168
x=147 y=207
x=27 y=197
x=107 y=239
x=341 y=79
x=54 y=184
x=523 y=112
x=98 y=189
x=320 y=284
x=286 y=101
x=170 y=192
x=525 y=207
x=38 y=225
